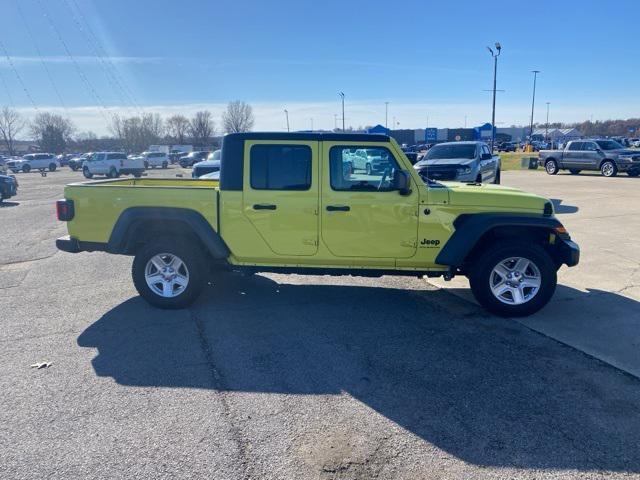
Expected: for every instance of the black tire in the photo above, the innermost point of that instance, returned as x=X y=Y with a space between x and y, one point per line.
x=574 y=171
x=86 y=173
x=165 y=165
x=146 y=165
x=113 y=173
x=496 y=180
x=191 y=256
x=52 y=167
x=479 y=178
x=137 y=174
x=26 y=168
x=608 y=168
x=551 y=167
x=480 y=276
x=633 y=173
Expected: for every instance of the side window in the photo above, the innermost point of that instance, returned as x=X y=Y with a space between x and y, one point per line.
x=280 y=167
x=589 y=146
x=575 y=146
x=485 y=149
x=345 y=176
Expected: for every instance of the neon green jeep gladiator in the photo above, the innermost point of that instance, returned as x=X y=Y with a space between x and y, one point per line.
x=312 y=203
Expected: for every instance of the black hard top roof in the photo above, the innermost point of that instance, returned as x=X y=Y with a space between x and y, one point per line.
x=313 y=136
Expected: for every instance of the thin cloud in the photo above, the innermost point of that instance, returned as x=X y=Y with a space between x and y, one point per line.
x=60 y=59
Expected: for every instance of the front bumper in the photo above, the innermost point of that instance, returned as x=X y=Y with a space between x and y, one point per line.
x=568 y=252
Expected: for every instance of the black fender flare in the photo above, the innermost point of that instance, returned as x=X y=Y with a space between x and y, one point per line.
x=470 y=228
x=196 y=223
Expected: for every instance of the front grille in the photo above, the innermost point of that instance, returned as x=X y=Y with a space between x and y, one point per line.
x=440 y=172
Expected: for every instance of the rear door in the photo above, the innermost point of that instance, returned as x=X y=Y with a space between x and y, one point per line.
x=363 y=215
x=280 y=194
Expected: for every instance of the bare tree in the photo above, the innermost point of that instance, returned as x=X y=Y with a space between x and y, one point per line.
x=11 y=124
x=135 y=134
x=238 y=117
x=178 y=128
x=51 y=131
x=202 y=128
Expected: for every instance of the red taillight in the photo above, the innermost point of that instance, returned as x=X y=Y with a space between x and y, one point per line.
x=64 y=210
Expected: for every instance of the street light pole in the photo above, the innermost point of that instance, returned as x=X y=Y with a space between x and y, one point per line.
x=342 y=96
x=533 y=103
x=386 y=115
x=495 y=77
x=546 y=131
x=286 y=112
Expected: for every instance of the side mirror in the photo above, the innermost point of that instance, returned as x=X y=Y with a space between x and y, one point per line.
x=486 y=156
x=402 y=182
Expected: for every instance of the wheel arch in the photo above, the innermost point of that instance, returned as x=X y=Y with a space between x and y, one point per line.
x=137 y=225
x=474 y=232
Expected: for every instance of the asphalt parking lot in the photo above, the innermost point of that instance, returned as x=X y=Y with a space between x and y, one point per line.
x=276 y=376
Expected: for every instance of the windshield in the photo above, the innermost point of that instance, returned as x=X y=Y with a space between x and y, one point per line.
x=609 y=145
x=440 y=152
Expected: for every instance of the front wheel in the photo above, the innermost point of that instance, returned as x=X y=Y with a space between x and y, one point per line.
x=608 y=169
x=165 y=164
x=52 y=167
x=26 y=168
x=169 y=273
x=87 y=173
x=513 y=279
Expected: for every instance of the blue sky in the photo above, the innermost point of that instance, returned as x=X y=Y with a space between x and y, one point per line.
x=427 y=59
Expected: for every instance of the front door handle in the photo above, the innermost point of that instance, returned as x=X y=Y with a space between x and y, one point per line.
x=264 y=206
x=338 y=208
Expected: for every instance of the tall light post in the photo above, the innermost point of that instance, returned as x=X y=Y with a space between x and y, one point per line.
x=495 y=56
x=546 y=131
x=335 y=121
x=533 y=103
x=342 y=97
x=286 y=113
x=386 y=115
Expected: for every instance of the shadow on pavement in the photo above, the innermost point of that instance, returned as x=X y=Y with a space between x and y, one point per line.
x=485 y=390
x=9 y=204
x=562 y=209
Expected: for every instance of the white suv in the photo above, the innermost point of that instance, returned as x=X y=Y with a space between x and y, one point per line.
x=34 y=161
x=155 y=159
x=112 y=164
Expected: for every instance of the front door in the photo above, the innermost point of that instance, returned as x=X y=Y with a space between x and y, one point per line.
x=363 y=214
x=280 y=194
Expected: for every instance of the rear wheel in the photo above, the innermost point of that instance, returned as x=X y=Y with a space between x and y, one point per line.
x=52 y=167
x=86 y=173
x=26 y=168
x=165 y=164
x=137 y=174
x=146 y=165
x=574 y=171
x=113 y=173
x=513 y=279
x=608 y=169
x=551 y=167
x=169 y=273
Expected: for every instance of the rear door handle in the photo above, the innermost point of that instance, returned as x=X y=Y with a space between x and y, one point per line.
x=264 y=206
x=338 y=208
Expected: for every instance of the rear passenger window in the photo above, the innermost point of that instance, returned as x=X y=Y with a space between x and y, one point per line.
x=576 y=146
x=117 y=156
x=280 y=167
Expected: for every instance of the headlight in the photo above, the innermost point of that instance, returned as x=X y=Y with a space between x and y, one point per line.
x=463 y=170
x=626 y=158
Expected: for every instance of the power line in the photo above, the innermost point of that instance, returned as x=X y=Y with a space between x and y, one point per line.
x=102 y=53
x=84 y=78
x=111 y=78
x=18 y=76
x=6 y=89
x=44 y=64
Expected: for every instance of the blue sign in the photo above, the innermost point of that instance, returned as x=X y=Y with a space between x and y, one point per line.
x=430 y=134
